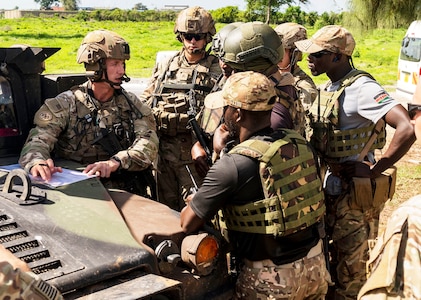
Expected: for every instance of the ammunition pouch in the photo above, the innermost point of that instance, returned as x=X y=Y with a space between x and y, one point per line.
x=171 y=114
x=369 y=193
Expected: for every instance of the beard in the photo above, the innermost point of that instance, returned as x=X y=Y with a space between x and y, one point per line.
x=232 y=127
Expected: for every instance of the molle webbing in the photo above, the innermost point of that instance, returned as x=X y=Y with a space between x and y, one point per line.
x=343 y=143
x=334 y=143
x=293 y=196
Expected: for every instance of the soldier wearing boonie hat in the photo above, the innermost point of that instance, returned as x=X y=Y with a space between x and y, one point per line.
x=266 y=247
x=352 y=110
x=250 y=91
x=333 y=38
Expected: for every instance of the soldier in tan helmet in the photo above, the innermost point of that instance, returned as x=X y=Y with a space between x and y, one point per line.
x=98 y=123
x=176 y=93
x=275 y=239
x=290 y=33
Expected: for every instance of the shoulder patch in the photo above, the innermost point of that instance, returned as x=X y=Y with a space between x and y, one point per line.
x=381 y=97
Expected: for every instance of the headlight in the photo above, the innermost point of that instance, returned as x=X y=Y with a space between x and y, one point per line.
x=200 y=251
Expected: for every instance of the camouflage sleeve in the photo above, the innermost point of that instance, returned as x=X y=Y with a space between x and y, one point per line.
x=144 y=150
x=15 y=284
x=50 y=120
x=307 y=92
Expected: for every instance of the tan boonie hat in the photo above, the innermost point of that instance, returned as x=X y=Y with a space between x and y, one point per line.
x=250 y=91
x=290 y=33
x=333 y=38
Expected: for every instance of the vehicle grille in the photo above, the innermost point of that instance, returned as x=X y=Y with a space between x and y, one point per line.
x=26 y=246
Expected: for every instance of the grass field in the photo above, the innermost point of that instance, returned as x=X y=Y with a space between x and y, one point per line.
x=376 y=52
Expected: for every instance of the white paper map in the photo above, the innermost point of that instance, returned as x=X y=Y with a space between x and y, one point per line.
x=58 y=179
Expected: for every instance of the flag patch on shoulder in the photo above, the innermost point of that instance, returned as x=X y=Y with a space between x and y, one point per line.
x=380 y=98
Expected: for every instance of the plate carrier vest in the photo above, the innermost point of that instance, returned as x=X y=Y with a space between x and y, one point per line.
x=293 y=192
x=332 y=143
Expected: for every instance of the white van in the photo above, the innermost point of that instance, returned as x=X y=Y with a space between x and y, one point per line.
x=409 y=64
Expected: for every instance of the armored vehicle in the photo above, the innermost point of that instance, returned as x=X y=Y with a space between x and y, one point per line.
x=90 y=242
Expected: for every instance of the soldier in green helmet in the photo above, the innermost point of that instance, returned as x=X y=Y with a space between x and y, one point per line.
x=255 y=46
x=270 y=197
x=97 y=124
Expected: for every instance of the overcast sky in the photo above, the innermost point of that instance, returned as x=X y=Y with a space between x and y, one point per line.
x=315 y=5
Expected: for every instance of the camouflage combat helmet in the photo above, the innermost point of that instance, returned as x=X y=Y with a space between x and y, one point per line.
x=99 y=45
x=221 y=35
x=195 y=20
x=249 y=90
x=290 y=33
x=252 y=45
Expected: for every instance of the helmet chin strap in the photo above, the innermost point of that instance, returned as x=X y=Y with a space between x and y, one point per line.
x=114 y=85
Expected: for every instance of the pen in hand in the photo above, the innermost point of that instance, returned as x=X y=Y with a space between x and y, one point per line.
x=45 y=173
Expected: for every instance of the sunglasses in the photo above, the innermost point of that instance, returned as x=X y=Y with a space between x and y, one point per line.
x=319 y=54
x=197 y=36
x=412 y=109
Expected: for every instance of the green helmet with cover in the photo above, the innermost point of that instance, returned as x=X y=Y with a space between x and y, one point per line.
x=252 y=45
x=195 y=20
x=99 y=45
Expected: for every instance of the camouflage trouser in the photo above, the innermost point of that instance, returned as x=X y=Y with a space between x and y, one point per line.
x=306 y=278
x=172 y=178
x=350 y=229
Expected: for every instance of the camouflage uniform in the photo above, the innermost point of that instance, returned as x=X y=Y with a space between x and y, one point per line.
x=15 y=284
x=307 y=90
x=395 y=263
x=81 y=128
x=306 y=278
x=71 y=123
x=171 y=104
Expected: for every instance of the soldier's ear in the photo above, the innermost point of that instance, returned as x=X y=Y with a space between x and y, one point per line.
x=239 y=114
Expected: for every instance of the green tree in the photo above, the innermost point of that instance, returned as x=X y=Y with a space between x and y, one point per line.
x=226 y=14
x=263 y=10
x=372 y=14
x=140 y=6
x=70 y=4
x=46 y=4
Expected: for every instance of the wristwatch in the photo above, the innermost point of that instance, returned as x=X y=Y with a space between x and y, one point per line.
x=116 y=158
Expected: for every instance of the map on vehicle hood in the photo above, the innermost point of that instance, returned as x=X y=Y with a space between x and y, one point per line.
x=58 y=179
